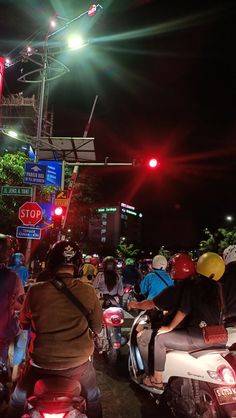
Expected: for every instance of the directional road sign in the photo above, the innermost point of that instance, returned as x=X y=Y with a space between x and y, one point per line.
x=35 y=174
x=16 y=191
x=30 y=213
x=29 y=233
x=61 y=198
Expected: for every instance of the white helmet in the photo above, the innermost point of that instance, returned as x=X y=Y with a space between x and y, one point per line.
x=88 y=259
x=159 y=262
x=229 y=254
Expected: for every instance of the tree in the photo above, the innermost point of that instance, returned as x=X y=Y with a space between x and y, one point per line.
x=11 y=173
x=126 y=250
x=218 y=240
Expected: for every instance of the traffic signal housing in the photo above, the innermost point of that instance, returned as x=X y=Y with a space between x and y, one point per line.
x=58 y=216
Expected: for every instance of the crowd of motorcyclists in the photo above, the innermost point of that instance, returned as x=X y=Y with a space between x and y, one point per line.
x=52 y=325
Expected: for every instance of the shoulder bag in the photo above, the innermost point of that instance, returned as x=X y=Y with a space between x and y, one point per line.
x=214 y=334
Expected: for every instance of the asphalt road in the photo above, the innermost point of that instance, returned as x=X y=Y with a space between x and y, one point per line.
x=121 y=398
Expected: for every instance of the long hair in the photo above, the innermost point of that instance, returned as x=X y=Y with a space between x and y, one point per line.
x=111 y=279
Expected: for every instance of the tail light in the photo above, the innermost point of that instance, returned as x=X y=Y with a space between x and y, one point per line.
x=227 y=375
x=113 y=317
x=116 y=345
x=127 y=290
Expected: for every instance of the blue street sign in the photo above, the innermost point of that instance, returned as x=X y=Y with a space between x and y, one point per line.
x=27 y=232
x=35 y=174
x=54 y=173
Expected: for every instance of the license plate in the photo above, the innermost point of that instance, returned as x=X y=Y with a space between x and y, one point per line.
x=225 y=395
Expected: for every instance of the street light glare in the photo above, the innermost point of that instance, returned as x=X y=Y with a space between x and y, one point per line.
x=75 y=42
x=53 y=23
x=229 y=218
x=12 y=134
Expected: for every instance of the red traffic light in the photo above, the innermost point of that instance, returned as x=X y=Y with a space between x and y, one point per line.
x=58 y=211
x=153 y=163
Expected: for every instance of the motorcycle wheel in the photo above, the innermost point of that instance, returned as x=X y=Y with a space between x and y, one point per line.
x=111 y=356
x=208 y=399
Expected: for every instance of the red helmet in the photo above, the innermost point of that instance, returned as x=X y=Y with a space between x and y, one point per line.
x=182 y=267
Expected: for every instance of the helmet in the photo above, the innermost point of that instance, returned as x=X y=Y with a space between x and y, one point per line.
x=182 y=266
x=129 y=261
x=17 y=259
x=229 y=254
x=109 y=264
x=14 y=244
x=64 y=253
x=88 y=259
x=211 y=265
x=94 y=261
x=159 y=262
x=4 y=249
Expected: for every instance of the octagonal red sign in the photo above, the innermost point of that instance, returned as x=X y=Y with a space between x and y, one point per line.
x=30 y=213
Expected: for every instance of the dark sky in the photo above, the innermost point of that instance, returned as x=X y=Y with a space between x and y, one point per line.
x=165 y=73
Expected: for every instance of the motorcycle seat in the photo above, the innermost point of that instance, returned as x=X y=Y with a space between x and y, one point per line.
x=58 y=386
x=211 y=349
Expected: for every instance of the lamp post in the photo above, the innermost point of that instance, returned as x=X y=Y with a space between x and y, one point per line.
x=43 y=81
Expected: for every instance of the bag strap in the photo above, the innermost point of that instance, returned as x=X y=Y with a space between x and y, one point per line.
x=222 y=303
x=59 y=284
x=162 y=279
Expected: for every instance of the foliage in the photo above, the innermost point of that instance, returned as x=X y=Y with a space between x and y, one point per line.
x=126 y=250
x=12 y=168
x=218 y=240
x=166 y=253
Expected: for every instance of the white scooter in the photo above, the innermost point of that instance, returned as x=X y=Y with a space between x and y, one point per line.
x=198 y=384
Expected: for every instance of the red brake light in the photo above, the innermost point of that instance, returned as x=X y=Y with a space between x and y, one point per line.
x=127 y=290
x=227 y=375
x=116 y=345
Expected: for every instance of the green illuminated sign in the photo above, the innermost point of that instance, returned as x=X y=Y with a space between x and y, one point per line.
x=102 y=210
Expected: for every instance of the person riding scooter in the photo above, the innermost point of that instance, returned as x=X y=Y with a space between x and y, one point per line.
x=108 y=283
x=62 y=313
x=228 y=281
x=157 y=280
x=200 y=304
x=182 y=268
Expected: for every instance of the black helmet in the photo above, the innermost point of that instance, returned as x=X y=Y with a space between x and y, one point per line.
x=109 y=263
x=4 y=249
x=64 y=253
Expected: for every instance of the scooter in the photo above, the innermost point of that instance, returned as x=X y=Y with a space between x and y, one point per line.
x=110 y=340
x=198 y=384
x=58 y=397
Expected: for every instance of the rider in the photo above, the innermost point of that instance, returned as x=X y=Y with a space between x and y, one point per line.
x=11 y=298
x=130 y=274
x=200 y=304
x=89 y=271
x=229 y=280
x=61 y=334
x=182 y=268
x=18 y=265
x=108 y=282
x=157 y=280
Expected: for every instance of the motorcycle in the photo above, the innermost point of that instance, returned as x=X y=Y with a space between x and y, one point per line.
x=197 y=384
x=110 y=340
x=56 y=397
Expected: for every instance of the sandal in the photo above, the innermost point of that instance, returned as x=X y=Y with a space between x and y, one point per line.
x=152 y=383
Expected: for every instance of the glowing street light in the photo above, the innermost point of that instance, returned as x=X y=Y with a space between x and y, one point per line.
x=12 y=134
x=229 y=218
x=75 y=42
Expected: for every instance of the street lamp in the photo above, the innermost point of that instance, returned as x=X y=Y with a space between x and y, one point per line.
x=75 y=42
x=229 y=218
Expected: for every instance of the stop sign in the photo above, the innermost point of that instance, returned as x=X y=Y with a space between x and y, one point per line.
x=30 y=213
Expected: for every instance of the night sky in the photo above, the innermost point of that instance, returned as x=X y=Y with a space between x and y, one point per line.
x=165 y=73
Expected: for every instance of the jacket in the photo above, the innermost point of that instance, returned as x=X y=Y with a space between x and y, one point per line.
x=60 y=337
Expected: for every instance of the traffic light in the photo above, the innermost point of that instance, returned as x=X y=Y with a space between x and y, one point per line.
x=153 y=163
x=58 y=215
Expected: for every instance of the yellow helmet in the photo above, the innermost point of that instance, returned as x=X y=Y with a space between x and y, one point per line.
x=211 y=265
